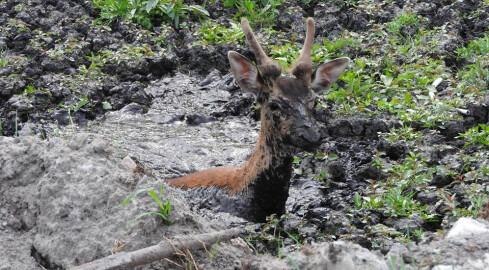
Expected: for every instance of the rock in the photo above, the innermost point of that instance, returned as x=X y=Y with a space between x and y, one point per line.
x=337 y=255
x=132 y=108
x=399 y=256
x=406 y=224
x=129 y=164
x=468 y=227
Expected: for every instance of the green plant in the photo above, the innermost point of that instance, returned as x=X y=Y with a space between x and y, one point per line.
x=419 y=234
x=249 y=241
x=292 y=262
x=258 y=12
x=82 y=102
x=477 y=203
x=214 y=250
x=321 y=53
x=326 y=158
x=476 y=47
x=272 y=235
x=112 y=10
x=29 y=90
x=212 y=33
x=147 y=13
x=399 y=203
x=395 y=197
x=404 y=133
x=96 y=62
x=478 y=135
x=164 y=208
x=3 y=59
x=296 y=162
x=400 y=21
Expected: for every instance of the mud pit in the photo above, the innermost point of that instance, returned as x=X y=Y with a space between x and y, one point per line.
x=176 y=110
x=59 y=196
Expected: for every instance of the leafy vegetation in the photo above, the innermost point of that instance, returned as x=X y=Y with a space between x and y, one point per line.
x=213 y=33
x=274 y=235
x=478 y=135
x=3 y=58
x=258 y=12
x=164 y=208
x=404 y=133
x=148 y=13
x=395 y=196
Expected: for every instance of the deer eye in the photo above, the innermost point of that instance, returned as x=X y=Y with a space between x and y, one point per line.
x=273 y=106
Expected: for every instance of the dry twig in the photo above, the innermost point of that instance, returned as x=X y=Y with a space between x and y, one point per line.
x=164 y=249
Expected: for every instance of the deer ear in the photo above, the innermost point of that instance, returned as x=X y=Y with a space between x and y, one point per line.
x=245 y=73
x=326 y=74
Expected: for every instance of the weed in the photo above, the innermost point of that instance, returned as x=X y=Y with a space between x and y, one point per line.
x=296 y=162
x=419 y=234
x=82 y=102
x=272 y=236
x=3 y=58
x=377 y=160
x=164 y=209
x=478 y=135
x=476 y=47
x=399 y=203
x=29 y=90
x=402 y=20
x=326 y=158
x=321 y=53
x=258 y=12
x=404 y=133
x=395 y=197
x=96 y=62
x=214 y=250
x=212 y=33
x=147 y=13
x=477 y=203
x=292 y=262
x=249 y=241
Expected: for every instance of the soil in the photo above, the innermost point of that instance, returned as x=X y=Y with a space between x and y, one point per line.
x=175 y=109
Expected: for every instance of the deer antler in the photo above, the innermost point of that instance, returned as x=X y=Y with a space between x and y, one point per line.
x=303 y=67
x=269 y=68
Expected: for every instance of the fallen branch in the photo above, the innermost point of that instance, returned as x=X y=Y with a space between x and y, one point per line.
x=160 y=251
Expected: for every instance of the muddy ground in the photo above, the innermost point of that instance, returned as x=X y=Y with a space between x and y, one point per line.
x=173 y=107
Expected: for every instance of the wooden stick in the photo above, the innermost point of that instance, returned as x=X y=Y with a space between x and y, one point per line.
x=164 y=249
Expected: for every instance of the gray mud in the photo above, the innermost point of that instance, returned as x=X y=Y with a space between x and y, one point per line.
x=175 y=109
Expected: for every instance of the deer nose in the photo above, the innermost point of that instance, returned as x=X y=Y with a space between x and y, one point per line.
x=308 y=131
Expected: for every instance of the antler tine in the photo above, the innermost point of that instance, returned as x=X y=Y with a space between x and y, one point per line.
x=267 y=66
x=304 y=62
x=255 y=46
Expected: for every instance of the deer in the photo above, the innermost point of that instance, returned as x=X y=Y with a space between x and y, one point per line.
x=287 y=126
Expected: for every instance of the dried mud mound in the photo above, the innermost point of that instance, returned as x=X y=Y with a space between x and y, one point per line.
x=57 y=202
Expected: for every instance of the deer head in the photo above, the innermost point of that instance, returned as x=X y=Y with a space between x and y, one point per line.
x=286 y=101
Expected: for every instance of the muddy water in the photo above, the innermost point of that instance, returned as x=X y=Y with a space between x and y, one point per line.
x=178 y=134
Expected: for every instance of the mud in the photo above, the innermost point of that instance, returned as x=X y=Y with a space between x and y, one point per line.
x=177 y=111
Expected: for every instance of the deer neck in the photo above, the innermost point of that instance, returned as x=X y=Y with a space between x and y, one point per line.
x=270 y=153
x=265 y=177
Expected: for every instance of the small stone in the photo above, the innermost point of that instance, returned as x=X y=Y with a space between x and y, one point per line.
x=129 y=164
